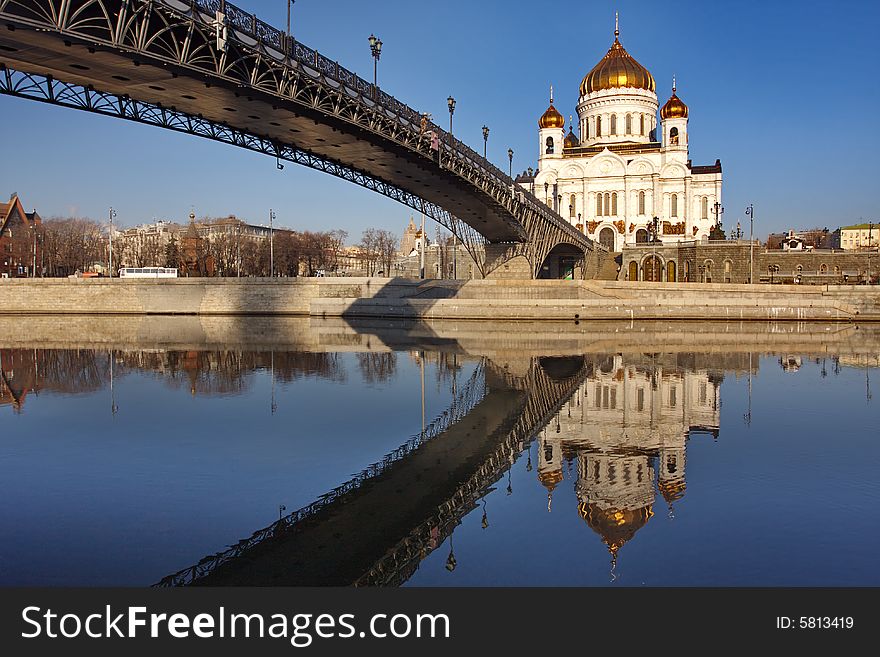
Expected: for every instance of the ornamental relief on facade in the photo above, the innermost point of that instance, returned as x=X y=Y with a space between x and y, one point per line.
x=620 y=225
x=673 y=229
x=592 y=226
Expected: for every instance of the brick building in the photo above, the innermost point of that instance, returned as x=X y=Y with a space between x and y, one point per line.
x=21 y=241
x=728 y=262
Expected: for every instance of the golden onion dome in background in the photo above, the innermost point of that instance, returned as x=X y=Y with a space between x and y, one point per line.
x=674 y=108
x=617 y=69
x=551 y=118
x=550 y=479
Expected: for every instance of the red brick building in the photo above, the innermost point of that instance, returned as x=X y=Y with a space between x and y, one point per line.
x=21 y=241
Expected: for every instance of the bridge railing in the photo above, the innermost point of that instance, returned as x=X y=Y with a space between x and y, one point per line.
x=249 y=25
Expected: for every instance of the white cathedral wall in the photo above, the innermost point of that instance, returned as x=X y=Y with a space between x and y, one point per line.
x=618 y=102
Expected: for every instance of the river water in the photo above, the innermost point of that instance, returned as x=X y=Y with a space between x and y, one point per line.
x=140 y=452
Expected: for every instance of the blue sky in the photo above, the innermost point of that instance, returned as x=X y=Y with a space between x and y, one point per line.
x=784 y=93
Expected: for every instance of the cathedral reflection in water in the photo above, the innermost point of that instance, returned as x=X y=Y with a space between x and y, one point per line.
x=626 y=429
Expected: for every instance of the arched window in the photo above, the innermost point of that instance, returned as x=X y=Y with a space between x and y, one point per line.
x=598 y=126
x=704 y=208
x=673 y=206
x=687 y=270
x=641 y=236
x=571 y=206
x=641 y=203
x=598 y=205
x=606 y=206
x=614 y=204
x=673 y=137
x=727 y=266
x=549 y=145
x=614 y=124
x=586 y=129
x=642 y=125
x=633 y=271
x=670 y=271
x=629 y=124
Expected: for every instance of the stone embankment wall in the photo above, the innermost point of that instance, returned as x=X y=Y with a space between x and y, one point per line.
x=432 y=299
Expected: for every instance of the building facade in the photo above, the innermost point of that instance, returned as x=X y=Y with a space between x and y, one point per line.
x=734 y=261
x=860 y=237
x=21 y=241
x=624 y=169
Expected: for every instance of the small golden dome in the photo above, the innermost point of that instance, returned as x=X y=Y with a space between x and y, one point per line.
x=673 y=490
x=617 y=69
x=674 y=107
x=551 y=118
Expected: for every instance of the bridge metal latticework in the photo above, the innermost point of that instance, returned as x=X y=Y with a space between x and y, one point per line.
x=219 y=45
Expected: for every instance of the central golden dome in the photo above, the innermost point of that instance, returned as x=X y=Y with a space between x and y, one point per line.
x=617 y=69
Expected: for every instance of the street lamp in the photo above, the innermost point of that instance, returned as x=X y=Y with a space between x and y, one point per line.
x=750 y=211
x=34 y=267
x=271 y=245
x=450 y=103
x=655 y=265
x=376 y=52
x=112 y=214
x=485 y=140
x=289 y=5
x=510 y=168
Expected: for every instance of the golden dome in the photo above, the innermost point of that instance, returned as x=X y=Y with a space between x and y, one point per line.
x=617 y=69
x=551 y=118
x=674 y=107
x=550 y=479
x=614 y=526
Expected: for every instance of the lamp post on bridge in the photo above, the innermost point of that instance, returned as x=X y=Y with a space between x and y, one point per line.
x=485 y=141
x=510 y=169
x=376 y=52
x=289 y=7
x=450 y=103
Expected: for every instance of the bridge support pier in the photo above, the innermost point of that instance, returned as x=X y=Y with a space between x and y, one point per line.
x=519 y=261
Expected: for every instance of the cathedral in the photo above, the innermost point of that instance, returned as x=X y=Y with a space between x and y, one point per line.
x=622 y=170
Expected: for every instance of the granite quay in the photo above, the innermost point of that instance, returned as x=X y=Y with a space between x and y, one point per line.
x=531 y=300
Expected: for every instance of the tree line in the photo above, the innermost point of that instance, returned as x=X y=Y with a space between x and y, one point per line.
x=211 y=247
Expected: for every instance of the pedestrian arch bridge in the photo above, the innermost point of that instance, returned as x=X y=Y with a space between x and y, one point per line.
x=211 y=69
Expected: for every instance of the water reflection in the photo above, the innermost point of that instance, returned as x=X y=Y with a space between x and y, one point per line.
x=626 y=430
x=606 y=435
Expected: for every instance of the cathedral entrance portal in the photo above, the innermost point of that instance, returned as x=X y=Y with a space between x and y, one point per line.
x=651 y=269
x=606 y=238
